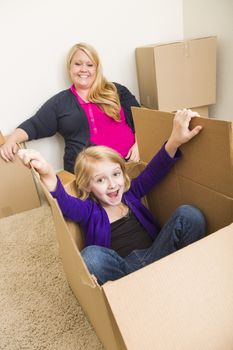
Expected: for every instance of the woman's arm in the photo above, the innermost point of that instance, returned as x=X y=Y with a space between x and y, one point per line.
x=128 y=100
x=42 y=124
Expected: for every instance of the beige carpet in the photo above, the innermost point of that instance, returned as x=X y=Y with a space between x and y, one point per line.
x=37 y=308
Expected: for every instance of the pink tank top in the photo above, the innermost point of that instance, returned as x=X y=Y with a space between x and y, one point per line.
x=104 y=130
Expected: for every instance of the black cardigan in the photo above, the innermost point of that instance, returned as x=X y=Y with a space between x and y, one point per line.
x=62 y=113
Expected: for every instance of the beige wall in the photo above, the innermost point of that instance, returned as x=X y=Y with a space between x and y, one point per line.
x=215 y=17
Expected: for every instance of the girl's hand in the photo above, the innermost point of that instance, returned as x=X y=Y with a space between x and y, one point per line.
x=181 y=133
x=34 y=159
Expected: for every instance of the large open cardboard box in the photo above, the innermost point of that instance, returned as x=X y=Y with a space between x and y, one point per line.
x=177 y=75
x=185 y=300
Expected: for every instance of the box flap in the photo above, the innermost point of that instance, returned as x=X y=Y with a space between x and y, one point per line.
x=207 y=159
x=183 y=301
x=18 y=191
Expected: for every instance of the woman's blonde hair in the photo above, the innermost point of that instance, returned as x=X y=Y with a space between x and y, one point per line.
x=102 y=92
x=85 y=163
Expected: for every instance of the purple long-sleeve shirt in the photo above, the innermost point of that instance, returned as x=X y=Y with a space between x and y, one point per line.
x=93 y=217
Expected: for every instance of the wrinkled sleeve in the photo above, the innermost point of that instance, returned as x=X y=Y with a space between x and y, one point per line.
x=71 y=207
x=44 y=123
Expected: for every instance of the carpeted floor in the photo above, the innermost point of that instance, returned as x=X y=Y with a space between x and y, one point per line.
x=37 y=308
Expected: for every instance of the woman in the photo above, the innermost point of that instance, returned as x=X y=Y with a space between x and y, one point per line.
x=92 y=111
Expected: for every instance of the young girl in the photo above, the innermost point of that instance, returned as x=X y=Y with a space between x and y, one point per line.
x=121 y=235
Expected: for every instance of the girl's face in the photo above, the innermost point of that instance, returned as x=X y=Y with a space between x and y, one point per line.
x=107 y=183
x=82 y=70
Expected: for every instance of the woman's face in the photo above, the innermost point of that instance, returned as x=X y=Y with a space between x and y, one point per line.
x=82 y=71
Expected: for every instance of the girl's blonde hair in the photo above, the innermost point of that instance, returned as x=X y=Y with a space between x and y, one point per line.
x=102 y=92
x=85 y=163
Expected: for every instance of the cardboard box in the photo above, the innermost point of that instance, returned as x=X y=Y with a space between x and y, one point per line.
x=177 y=75
x=17 y=187
x=185 y=300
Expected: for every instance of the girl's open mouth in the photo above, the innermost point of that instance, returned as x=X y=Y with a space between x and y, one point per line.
x=113 y=194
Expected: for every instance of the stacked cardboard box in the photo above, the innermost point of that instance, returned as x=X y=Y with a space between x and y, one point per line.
x=178 y=75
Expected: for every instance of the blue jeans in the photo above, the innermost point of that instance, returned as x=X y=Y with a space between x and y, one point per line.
x=185 y=226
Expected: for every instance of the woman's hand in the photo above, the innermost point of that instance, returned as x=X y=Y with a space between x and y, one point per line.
x=181 y=133
x=9 y=149
x=133 y=154
x=32 y=158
